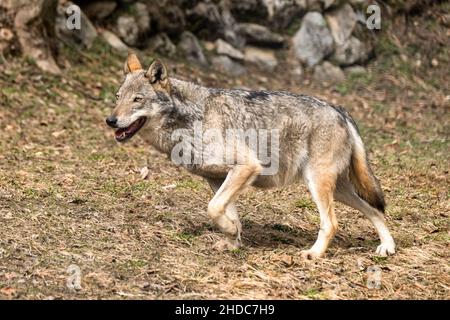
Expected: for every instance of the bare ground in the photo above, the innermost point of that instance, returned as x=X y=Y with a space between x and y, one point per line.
x=70 y=195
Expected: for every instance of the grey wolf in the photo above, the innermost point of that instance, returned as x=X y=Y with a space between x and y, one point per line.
x=319 y=144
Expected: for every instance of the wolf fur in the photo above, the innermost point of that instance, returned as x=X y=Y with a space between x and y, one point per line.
x=319 y=144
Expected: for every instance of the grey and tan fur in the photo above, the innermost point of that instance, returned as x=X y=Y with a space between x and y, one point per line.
x=319 y=144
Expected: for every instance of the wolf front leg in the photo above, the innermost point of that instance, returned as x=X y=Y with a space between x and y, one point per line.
x=222 y=209
x=231 y=214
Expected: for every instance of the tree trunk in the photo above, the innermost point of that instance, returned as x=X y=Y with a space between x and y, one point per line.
x=29 y=25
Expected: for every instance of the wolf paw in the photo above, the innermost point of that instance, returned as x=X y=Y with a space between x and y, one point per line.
x=227 y=244
x=385 y=249
x=310 y=254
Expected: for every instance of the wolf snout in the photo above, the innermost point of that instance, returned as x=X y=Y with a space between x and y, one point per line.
x=111 y=121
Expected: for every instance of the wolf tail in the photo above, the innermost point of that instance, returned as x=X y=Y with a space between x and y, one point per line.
x=361 y=176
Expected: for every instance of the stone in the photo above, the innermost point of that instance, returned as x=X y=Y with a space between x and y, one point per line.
x=167 y=16
x=210 y=21
x=445 y=19
x=191 y=48
x=113 y=40
x=260 y=35
x=224 y=48
x=84 y=36
x=282 y=13
x=341 y=22
x=210 y=46
x=6 y=34
x=355 y=70
x=353 y=51
x=142 y=16
x=263 y=58
x=99 y=10
x=359 y=3
x=128 y=29
x=313 y=41
x=227 y=65
x=297 y=72
x=161 y=43
x=276 y=14
x=327 y=3
x=327 y=73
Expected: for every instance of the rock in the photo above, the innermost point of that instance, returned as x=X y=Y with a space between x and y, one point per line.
x=128 y=29
x=297 y=71
x=209 y=20
x=314 y=5
x=353 y=51
x=142 y=17
x=6 y=34
x=313 y=41
x=282 y=13
x=327 y=73
x=210 y=46
x=113 y=40
x=341 y=21
x=242 y=9
x=230 y=28
x=260 y=35
x=355 y=70
x=133 y=28
x=321 y=5
x=167 y=16
x=6 y=37
x=99 y=10
x=161 y=43
x=445 y=19
x=263 y=58
x=360 y=4
x=227 y=65
x=224 y=48
x=190 y=46
x=84 y=36
x=327 y=3
x=434 y=62
x=277 y=14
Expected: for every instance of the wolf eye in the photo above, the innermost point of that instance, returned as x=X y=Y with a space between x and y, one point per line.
x=137 y=99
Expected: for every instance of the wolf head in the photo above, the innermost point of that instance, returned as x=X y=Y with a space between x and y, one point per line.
x=144 y=96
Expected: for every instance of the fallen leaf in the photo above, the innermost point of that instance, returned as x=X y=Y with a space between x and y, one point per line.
x=144 y=173
x=8 y=291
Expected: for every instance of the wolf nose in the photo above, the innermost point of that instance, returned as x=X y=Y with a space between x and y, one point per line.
x=111 y=121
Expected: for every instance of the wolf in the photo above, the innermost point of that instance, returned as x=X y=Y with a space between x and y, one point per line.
x=319 y=143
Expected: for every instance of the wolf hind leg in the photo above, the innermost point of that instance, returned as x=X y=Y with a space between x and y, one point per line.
x=321 y=184
x=346 y=194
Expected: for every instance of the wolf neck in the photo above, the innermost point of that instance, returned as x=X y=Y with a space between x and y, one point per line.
x=188 y=100
x=185 y=90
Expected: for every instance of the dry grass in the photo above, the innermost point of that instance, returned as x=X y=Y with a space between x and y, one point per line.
x=70 y=195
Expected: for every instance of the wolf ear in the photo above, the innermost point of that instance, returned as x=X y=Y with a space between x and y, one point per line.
x=132 y=63
x=157 y=74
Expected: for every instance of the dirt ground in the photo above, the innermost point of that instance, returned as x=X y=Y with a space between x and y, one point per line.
x=71 y=197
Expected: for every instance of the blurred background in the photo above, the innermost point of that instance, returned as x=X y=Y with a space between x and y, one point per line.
x=135 y=226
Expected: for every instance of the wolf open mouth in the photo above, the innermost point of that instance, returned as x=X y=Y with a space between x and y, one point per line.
x=123 y=134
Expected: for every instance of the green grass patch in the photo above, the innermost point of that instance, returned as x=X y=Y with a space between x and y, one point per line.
x=185 y=237
x=189 y=184
x=314 y=293
x=354 y=82
x=305 y=203
x=379 y=260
